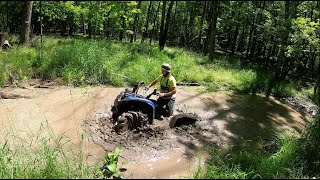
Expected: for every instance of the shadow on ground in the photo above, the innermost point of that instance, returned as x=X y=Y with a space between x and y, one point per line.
x=227 y=119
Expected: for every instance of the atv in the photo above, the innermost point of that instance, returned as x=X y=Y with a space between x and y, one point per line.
x=133 y=109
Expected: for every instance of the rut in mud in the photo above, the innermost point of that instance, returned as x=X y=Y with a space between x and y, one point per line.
x=158 y=136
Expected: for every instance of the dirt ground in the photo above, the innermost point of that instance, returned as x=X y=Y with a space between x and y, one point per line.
x=224 y=119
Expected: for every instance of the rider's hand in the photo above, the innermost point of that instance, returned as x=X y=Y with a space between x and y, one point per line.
x=162 y=94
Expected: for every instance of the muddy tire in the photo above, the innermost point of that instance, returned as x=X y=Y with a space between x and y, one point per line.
x=183 y=119
x=130 y=120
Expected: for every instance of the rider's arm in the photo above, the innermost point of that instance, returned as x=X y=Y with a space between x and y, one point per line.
x=170 y=93
x=153 y=83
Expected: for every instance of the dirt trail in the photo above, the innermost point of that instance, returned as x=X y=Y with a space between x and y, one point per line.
x=167 y=153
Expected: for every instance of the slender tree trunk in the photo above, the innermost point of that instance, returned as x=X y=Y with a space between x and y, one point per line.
x=229 y=35
x=215 y=7
x=174 y=21
x=7 y=16
x=318 y=7
x=241 y=40
x=201 y=25
x=162 y=40
x=163 y=16
x=71 y=25
x=96 y=31
x=191 y=23
x=234 y=40
x=154 y=23
x=90 y=29
x=145 y=33
x=122 y=28
x=250 y=38
x=90 y=23
x=135 y=24
x=316 y=90
x=26 y=22
x=83 y=27
x=208 y=18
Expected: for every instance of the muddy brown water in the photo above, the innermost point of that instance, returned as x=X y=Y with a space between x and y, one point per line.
x=162 y=152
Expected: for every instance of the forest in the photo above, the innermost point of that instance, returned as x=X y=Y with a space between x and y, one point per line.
x=281 y=37
x=272 y=47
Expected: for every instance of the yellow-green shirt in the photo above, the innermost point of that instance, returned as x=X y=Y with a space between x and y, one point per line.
x=169 y=82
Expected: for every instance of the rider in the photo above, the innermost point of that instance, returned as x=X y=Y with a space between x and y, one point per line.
x=167 y=90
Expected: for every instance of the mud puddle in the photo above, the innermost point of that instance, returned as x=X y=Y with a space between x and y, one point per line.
x=161 y=152
x=154 y=151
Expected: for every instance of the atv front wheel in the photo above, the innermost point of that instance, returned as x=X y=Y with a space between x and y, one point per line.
x=130 y=120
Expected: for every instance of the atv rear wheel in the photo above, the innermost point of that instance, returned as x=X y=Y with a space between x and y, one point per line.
x=130 y=120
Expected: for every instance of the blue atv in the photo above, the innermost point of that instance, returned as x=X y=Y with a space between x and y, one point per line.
x=132 y=109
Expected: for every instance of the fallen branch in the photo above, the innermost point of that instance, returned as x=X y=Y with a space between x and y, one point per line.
x=46 y=85
x=187 y=84
x=4 y=95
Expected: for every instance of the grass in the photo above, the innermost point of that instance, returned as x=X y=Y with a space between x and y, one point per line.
x=39 y=156
x=91 y=62
x=290 y=156
x=251 y=161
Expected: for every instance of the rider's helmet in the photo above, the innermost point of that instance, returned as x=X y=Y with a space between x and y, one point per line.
x=166 y=67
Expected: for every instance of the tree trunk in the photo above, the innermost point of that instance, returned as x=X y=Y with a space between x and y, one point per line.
x=71 y=25
x=145 y=33
x=135 y=24
x=250 y=38
x=122 y=28
x=208 y=17
x=7 y=17
x=241 y=40
x=191 y=23
x=201 y=26
x=215 y=8
x=164 y=3
x=26 y=21
x=316 y=92
x=90 y=29
x=162 y=40
x=107 y=28
x=154 y=22
x=234 y=41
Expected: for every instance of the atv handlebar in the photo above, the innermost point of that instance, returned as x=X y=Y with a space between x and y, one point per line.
x=155 y=92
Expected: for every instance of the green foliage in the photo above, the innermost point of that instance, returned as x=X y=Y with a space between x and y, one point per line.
x=36 y=156
x=254 y=159
x=309 y=148
x=110 y=164
x=218 y=168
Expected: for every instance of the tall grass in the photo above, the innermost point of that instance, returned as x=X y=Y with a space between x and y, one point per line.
x=83 y=61
x=92 y=62
x=39 y=156
x=252 y=160
x=291 y=156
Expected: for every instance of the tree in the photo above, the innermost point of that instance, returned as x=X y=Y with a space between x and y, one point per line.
x=144 y=34
x=135 y=23
x=215 y=7
x=26 y=22
x=154 y=22
x=163 y=34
